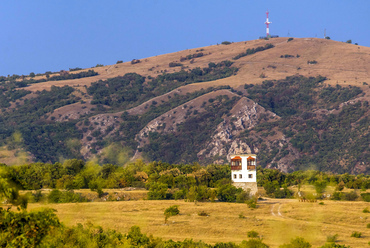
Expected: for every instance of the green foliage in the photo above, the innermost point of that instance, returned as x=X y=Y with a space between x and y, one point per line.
x=334 y=245
x=366 y=210
x=365 y=197
x=297 y=243
x=295 y=99
x=332 y=238
x=253 y=51
x=368 y=225
x=171 y=211
x=225 y=43
x=157 y=191
x=25 y=229
x=64 y=76
x=136 y=237
x=57 y=196
x=356 y=234
x=130 y=90
x=252 y=234
x=227 y=193
x=253 y=243
x=320 y=186
x=290 y=39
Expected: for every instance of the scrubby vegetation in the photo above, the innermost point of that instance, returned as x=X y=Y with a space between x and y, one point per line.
x=253 y=51
x=130 y=90
x=320 y=137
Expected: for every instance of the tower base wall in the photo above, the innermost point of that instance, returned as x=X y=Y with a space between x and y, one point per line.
x=245 y=186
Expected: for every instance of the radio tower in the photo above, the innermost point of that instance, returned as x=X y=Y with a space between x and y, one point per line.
x=267 y=24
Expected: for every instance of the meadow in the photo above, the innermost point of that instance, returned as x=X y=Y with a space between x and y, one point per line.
x=276 y=220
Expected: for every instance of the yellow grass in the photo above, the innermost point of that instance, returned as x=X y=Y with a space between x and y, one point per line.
x=277 y=220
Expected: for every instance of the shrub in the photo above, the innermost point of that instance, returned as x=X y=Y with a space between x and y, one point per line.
x=227 y=193
x=252 y=203
x=351 y=196
x=320 y=186
x=332 y=238
x=356 y=234
x=226 y=43
x=135 y=61
x=297 y=243
x=174 y=64
x=290 y=39
x=365 y=197
x=340 y=186
x=241 y=216
x=311 y=62
x=366 y=210
x=321 y=203
x=243 y=197
x=252 y=234
x=203 y=213
x=368 y=225
x=171 y=211
x=119 y=62
x=253 y=243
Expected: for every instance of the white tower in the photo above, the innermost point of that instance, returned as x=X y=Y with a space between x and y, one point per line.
x=267 y=24
x=243 y=171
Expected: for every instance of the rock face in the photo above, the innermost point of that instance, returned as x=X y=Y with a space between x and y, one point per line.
x=244 y=116
x=229 y=139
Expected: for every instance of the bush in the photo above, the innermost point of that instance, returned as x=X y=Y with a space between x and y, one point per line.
x=227 y=193
x=366 y=210
x=368 y=225
x=351 y=196
x=356 y=234
x=171 y=211
x=290 y=39
x=252 y=234
x=365 y=197
x=253 y=243
x=332 y=238
x=226 y=43
x=203 y=213
x=297 y=243
x=119 y=62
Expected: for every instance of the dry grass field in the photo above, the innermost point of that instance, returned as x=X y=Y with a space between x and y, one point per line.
x=276 y=220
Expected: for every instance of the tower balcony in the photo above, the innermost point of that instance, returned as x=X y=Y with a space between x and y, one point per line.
x=251 y=167
x=236 y=167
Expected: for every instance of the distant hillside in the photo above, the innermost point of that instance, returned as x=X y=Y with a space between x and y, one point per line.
x=298 y=104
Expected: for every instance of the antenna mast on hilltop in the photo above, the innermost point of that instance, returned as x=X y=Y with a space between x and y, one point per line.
x=267 y=24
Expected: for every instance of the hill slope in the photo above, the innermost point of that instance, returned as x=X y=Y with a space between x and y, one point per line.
x=298 y=104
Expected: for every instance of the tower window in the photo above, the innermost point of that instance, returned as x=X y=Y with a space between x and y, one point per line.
x=250 y=175
x=234 y=176
x=240 y=176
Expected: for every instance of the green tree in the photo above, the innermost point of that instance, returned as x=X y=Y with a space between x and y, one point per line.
x=157 y=191
x=171 y=211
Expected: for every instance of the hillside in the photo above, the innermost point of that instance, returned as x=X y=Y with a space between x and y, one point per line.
x=298 y=104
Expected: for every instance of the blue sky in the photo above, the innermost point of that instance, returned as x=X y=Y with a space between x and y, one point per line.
x=39 y=36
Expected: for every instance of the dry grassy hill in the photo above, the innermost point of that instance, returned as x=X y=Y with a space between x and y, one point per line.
x=227 y=119
x=340 y=62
